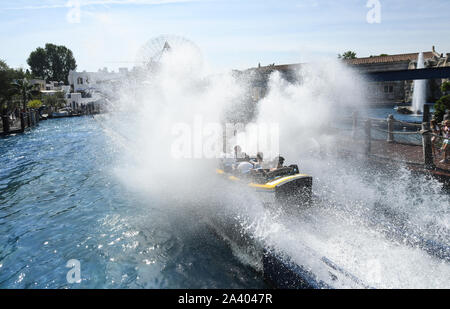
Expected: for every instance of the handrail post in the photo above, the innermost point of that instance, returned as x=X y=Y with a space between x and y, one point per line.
x=22 y=122
x=33 y=119
x=28 y=118
x=355 y=124
x=368 y=131
x=426 y=113
x=5 y=120
x=390 y=127
x=427 y=146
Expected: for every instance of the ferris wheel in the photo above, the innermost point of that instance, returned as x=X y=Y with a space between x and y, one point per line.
x=151 y=52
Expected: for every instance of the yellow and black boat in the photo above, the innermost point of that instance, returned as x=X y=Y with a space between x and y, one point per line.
x=285 y=185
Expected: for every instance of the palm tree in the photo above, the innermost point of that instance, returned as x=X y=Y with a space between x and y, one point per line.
x=10 y=87
x=25 y=90
x=347 y=55
x=6 y=106
x=8 y=91
x=6 y=100
x=5 y=81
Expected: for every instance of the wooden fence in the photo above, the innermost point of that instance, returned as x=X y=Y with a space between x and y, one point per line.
x=27 y=119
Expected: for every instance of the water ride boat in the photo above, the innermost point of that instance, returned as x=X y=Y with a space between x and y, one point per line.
x=284 y=186
x=286 y=189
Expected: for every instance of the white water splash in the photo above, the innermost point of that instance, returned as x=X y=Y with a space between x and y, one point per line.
x=420 y=90
x=349 y=227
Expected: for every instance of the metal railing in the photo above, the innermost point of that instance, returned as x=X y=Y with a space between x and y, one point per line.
x=400 y=145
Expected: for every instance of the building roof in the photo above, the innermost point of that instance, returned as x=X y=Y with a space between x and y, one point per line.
x=280 y=67
x=358 y=61
x=50 y=91
x=389 y=58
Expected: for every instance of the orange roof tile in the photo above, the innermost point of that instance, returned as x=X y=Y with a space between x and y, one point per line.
x=389 y=58
x=357 y=61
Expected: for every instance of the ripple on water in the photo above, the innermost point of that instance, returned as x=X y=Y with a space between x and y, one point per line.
x=59 y=201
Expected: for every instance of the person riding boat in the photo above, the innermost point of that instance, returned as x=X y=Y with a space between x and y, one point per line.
x=280 y=164
x=238 y=154
x=258 y=164
x=446 y=142
x=245 y=167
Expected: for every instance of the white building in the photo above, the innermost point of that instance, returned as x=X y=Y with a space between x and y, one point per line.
x=74 y=100
x=91 y=81
x=38 y=84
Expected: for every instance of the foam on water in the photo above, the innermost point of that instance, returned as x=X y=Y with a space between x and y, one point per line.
x=373 y=224
x=380 y=245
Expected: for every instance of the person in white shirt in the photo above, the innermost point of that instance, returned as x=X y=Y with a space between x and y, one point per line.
x=238 y=154
x=244 y=167
x=437 y=131
x=445 y=144
x=258 y=164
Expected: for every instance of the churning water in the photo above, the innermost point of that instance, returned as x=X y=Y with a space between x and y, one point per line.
x=109 y=193
x=385 y=226
x=60 y=200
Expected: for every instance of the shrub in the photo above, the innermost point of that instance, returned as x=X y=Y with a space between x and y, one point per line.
x=34 y=104
x=56 y=100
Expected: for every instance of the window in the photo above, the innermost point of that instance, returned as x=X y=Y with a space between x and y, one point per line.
x=388 y=89
x=80 y=81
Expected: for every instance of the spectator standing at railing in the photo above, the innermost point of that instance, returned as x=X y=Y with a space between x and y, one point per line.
x=434 y=139
x=445 y=145
x=447 y=115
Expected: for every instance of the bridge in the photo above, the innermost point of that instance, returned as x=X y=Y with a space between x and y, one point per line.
x=377 y=76
x=415 y=74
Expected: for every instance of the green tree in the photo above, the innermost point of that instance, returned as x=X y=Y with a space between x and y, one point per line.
x=7 y=91
x=347 y=55
x=3 y=65
x=52 y=63
x=5 y=79
x=25 y=90
x=441 y=106
x=445 y=87
x=57 y=100
x=11 y=81
x=38 y=63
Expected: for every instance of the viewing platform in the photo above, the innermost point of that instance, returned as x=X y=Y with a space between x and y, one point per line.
x=396 y=142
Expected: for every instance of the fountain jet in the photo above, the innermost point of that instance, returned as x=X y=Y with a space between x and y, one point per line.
x=419 y=93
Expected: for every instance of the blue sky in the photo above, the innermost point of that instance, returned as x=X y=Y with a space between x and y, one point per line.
x=230 y=33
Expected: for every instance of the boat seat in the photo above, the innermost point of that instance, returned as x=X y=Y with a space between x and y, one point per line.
x=284 y=171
